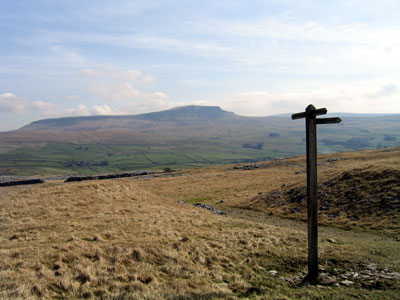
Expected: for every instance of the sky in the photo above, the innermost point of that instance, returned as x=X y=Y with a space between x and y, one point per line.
x=253 y=57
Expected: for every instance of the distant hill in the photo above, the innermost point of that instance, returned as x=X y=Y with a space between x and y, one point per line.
x=178 y=115
x=347 y=115
x=181 y=137
x=164 y=126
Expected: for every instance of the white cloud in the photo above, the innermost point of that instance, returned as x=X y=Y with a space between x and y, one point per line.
x=132 y=100
x=182 y=45
x=353 y=99
x=92 y=72
x=139 y=106
x=101 y=110
x=110 y=71
x=129 y=75
x=124 y=92
x=46 y=107
x=160 y=95
x=286 y=28
x=386 y=90
x=114 y=85
x=170 y=42
x=80 y=110
x=10 y=103
x=8 y=95
x=148 y=79
x=319 y=61
x=64 y=53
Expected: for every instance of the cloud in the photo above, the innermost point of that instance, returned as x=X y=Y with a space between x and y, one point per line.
x=272 y=40
x=132 y=100
x=64 y=53
x=319 y=61
x=10 y=103
x=336 y=99
x=130 y=75
x=386 y=90
x=111 y=72
x=101 y=110
x=182 y=45
x=148 y=79
x=80 y=110
x=92 y=72
x=144 y=106
x=114 y=85
x=124 y=92
x=287 y=28
x=129 y=100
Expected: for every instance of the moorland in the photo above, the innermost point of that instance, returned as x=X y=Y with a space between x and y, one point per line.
x=146 y=237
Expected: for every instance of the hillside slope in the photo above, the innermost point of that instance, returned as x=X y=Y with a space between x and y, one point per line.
x=366 y=196
x=143 y=239
x=359 y=189
x=193 y=115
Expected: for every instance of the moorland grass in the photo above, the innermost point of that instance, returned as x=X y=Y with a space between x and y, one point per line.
x=133 y=239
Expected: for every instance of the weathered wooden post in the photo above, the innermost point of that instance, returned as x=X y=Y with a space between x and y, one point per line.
x=312 y=202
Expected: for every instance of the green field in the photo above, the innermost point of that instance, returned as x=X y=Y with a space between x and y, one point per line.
x=98 y=158
x=161 y=145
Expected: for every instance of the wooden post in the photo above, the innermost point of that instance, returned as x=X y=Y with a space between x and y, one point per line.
x=312 y=202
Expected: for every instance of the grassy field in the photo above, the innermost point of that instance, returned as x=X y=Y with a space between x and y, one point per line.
x=99 y=158
x=142 y=238
x=180 y=143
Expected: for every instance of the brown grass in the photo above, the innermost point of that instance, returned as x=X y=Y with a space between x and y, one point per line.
x=131 y=239
x=360 y=192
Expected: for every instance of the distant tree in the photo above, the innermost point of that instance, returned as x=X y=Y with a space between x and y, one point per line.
x=389 y=138
x=257 y=146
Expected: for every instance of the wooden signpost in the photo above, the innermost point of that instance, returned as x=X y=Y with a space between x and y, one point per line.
x=312 y=202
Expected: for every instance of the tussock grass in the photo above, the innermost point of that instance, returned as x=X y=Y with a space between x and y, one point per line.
x=132 y=239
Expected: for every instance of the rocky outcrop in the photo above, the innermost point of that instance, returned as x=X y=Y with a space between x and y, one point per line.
x=369 y=276
x=365 y=198
x=210 y=208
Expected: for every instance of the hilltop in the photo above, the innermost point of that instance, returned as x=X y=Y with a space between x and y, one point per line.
x=182 y=137
x=142 y=237
x=178 y=116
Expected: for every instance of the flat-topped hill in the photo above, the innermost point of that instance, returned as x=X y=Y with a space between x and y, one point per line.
x=191 y=113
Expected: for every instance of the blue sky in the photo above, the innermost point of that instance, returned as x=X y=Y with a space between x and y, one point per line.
x=255 y=58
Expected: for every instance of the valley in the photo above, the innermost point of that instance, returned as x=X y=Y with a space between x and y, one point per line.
x=181 y=138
